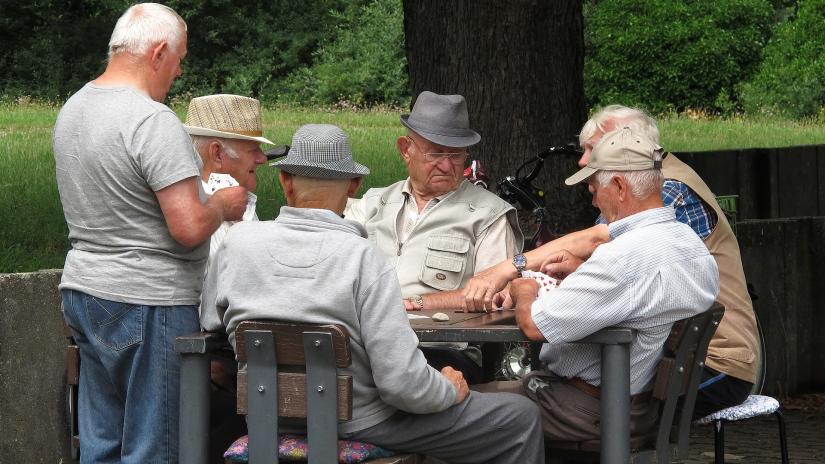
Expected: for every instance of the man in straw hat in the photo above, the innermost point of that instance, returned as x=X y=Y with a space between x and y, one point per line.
x=227 y=133
x=437 y=229
x=653 y=272
x=320 y=268
x=128 y=182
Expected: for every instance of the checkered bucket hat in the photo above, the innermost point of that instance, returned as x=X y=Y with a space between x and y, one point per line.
x=321 y=151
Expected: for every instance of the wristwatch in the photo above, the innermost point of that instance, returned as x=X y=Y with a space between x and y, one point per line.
x=520 y=262
x=418 y=301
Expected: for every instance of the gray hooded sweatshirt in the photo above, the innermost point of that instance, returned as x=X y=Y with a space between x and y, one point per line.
x=309 y=265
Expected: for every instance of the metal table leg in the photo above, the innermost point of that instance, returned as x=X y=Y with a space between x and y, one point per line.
x=615 y=404
x=194 y=408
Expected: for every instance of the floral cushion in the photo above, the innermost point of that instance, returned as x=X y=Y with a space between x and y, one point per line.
x=294 y=447
x=755 y=405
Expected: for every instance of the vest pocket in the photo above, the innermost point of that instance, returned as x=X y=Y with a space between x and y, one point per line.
x=445 y=262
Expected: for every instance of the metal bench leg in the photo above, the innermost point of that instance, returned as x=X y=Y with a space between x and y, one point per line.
x=783 y=438
x=719 y=441
x=194 y=409
x=615 y=404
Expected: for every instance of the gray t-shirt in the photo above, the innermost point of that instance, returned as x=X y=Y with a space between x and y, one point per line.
x=114 y=147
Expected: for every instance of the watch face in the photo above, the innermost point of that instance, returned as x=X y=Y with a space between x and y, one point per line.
x=519 y=261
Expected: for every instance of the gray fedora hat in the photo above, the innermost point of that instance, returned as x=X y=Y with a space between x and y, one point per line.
x=441 y=119
x=321 y=151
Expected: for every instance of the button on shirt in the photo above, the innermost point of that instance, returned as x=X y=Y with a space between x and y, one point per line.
x=654 y=272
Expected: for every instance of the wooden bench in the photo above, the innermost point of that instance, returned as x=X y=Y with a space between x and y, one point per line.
x=293 y=366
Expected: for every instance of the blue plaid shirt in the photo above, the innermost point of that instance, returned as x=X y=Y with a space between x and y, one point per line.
x=688 y=206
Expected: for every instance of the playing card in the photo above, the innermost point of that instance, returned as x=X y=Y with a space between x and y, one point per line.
x=220 y=181
x=546 y=283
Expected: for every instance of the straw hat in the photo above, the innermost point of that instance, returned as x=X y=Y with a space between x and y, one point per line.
x=225 y=116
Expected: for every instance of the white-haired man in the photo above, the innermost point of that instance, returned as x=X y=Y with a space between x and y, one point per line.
x=320 y=268
x=128 y=181
x=732 y=360
x=654 y=271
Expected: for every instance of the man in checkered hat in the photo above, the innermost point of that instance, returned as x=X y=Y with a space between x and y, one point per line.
x=310 y=265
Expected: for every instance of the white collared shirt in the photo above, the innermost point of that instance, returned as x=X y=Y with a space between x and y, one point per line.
x=654 y=272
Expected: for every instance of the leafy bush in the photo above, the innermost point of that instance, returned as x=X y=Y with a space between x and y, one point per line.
x=363 y=64
x=791 y=79
x=668 y=55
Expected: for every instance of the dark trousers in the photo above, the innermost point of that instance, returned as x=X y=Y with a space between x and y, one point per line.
x=718 y=391
x=439 y=357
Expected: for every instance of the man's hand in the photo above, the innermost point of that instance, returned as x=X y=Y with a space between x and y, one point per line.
x=502 y=299
x=523 y=293
x=480 y=289
x=561 y=264
x=231 y=201
x=457 y=379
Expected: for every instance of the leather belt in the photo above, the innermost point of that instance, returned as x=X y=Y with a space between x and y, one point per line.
x=596 y=392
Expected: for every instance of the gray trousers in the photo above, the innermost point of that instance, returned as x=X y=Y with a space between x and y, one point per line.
x=567 y=413
x=484 y=428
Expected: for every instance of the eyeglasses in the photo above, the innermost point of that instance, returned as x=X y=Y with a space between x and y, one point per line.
x=456 y=158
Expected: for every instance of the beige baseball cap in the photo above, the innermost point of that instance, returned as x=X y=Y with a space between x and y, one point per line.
x=620 y=150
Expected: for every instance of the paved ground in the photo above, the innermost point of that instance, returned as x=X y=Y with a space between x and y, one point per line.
x=757 y=441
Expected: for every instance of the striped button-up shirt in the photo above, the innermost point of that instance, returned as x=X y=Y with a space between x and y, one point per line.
x=653 y=272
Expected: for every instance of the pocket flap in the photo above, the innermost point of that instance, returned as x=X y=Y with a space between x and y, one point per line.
x=445 y=263
x=450 y=243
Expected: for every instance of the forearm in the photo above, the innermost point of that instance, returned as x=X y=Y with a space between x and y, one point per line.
x=453 y=299
x=580 y=243
x=524 y=319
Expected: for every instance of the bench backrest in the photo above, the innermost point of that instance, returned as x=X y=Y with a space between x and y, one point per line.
x=293 y=366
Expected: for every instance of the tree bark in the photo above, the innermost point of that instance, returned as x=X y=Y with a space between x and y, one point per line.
x=519 y=63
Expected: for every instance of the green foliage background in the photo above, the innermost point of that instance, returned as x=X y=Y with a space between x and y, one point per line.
x=716 y=56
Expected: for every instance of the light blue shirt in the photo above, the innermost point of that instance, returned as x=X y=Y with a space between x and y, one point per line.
x=653 y=272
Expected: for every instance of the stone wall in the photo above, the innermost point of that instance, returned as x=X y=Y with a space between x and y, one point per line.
x=33 y=427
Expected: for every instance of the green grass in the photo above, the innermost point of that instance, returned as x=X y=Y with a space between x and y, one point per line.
x=33 y=233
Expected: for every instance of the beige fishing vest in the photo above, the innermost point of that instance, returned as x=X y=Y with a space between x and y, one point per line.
x=734 y=349
x=439 y=253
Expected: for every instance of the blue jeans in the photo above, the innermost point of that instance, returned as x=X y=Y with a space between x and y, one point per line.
x=129 y=377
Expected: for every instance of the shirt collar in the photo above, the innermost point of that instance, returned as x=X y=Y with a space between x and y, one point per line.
x=641 y=219
x=321 y=215
x=407 y=190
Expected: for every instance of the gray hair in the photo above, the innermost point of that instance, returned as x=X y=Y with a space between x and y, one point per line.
x=614 y=116
x=202 y=142
x=144 y=25
x=642 y=183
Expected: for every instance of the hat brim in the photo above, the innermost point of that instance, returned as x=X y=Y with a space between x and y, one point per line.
x=466 y=138
x=321 y=172
x=194 y=130
x=583 y=174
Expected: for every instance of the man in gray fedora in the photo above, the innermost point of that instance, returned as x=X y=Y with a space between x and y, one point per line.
x=437 y=229
x=320 y=268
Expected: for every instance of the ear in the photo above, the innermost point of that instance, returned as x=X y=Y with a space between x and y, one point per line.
x=354 y=184
x=216 y=156
x=157 y=53
x=403 y=144
x=622 y=187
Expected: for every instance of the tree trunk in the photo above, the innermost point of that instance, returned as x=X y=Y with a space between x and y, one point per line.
x=519 y=63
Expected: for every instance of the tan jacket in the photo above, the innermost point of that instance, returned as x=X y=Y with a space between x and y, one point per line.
x=734 y=349
x=439 y=252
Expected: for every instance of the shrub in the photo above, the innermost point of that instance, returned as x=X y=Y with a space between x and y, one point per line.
x=668 y=55
x=791 y=79
x=364 y=64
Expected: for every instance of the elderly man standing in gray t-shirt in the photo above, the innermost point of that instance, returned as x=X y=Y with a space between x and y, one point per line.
x=128 y=181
